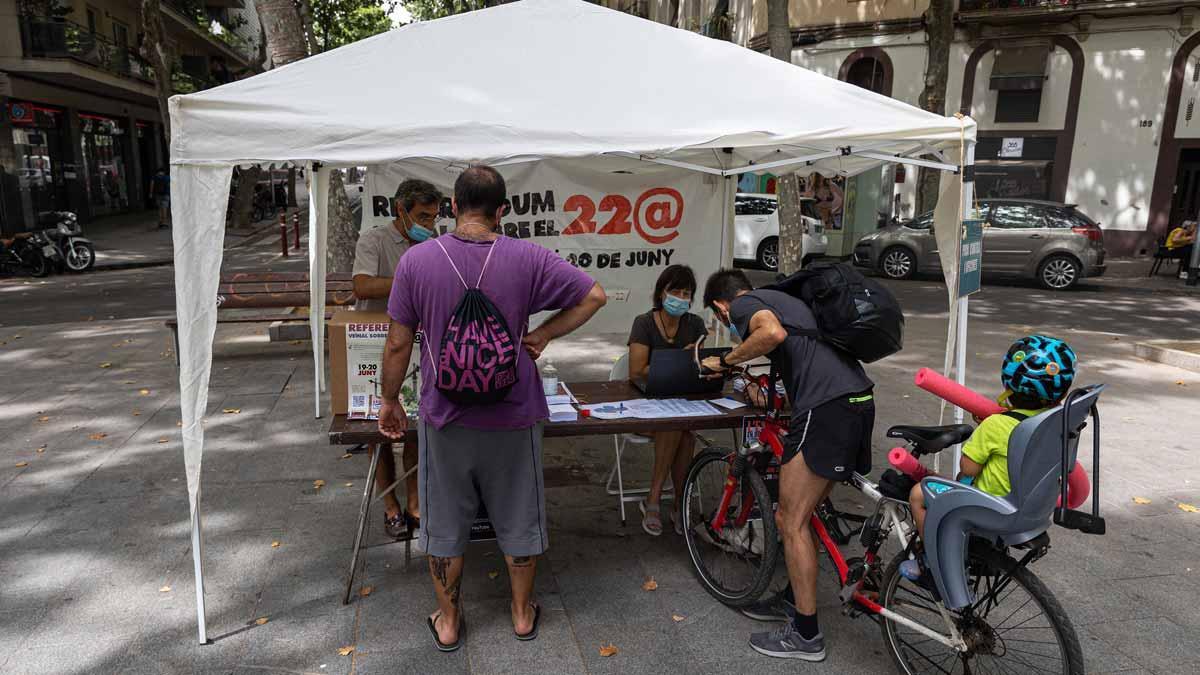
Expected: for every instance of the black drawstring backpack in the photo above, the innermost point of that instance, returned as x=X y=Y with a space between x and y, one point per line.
x=477 y=363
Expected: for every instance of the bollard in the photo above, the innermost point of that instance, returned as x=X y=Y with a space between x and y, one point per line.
x=296 y=228
x=283 y=236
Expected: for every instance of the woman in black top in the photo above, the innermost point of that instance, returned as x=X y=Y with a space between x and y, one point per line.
x=668 y=326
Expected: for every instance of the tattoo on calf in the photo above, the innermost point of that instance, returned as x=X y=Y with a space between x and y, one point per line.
x=439 y=567
x=455 y=592
x=522 y=561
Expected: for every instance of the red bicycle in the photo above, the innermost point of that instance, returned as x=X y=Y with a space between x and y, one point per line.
x=1014 y=624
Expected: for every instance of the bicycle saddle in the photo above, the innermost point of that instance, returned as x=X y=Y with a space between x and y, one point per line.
x=932 y=439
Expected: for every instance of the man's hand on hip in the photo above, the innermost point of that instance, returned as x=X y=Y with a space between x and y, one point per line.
x=535 y=343
x=393 y=419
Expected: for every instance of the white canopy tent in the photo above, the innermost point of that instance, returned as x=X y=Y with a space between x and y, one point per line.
x=521 y=82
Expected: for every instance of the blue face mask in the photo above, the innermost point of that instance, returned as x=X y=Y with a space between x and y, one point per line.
x=676 y=306
x=418 y=233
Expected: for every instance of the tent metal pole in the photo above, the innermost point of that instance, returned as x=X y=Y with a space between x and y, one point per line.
x=960 y=342
x=198 y=567
x=753 y=168
x=896 y=159
x=671 y=162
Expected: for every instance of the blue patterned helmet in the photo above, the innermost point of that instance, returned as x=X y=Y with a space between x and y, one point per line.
x=1039 y=367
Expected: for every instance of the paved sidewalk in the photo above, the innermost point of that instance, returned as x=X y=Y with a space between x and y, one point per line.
x=95 y=565
x=1132 y=274
x=134 y=240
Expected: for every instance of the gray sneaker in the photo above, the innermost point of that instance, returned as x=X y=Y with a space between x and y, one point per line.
x=774 y=608
x=785 y=643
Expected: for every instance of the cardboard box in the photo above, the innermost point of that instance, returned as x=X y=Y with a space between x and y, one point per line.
x=364 y=334
x=356 y=342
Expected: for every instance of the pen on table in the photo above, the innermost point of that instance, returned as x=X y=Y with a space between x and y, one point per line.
x=568 y=390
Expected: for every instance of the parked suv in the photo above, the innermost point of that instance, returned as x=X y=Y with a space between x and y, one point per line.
x=756 y=230
x=1051 y=243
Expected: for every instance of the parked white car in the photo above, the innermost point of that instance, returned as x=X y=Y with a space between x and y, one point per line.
x=756 y=230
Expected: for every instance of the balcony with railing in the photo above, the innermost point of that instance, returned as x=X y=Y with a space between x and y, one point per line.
x=57 y=38
x=1014 y=7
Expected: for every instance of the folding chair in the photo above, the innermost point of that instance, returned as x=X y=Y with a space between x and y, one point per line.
x=620 y=371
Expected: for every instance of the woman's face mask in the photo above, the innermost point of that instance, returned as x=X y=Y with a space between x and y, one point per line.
x=675 y=305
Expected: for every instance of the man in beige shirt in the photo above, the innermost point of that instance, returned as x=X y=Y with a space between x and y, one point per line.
x=375 y=258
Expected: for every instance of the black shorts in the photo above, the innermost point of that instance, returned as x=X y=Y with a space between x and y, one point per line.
x=834 y=437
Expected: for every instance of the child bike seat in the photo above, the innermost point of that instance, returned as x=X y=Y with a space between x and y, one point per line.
x=932 y=439
x=955 y=511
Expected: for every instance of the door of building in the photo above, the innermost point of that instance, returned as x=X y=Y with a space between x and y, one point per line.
x=1185 y=203
x=104 y=146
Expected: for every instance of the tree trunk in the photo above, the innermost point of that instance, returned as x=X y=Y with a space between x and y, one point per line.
x=939 y=34
x=342 y=234
x=154 y=51
x=285 y=32
x=243 y=200
x=304 y=7
x=791 y=222
x=673 y=13
x=291 y=187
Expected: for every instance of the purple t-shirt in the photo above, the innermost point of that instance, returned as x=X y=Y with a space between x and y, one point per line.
x=521 y=279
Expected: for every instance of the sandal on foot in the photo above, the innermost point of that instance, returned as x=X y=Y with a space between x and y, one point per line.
x=533 y=632
x=396 y=526
x=442 y=646
x=651 y=518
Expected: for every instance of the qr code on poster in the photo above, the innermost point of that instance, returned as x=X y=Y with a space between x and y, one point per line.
x=358 y=401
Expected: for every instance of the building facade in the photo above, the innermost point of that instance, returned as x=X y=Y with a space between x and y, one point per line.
x=80 y=128
x=1088 y=102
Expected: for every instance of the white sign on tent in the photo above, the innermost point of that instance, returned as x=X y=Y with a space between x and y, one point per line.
x=622 y=228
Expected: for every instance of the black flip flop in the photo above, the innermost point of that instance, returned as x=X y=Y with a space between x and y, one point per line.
x=533 y=632
x=442 y=646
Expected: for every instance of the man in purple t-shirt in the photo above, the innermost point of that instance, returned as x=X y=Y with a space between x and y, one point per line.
x=490 y=451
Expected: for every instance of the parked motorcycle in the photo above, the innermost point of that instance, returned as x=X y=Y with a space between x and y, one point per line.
x=28 y=253
x=76 y=252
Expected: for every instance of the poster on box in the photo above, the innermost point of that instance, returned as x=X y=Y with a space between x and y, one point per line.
x=364 y=367
x=622 y=228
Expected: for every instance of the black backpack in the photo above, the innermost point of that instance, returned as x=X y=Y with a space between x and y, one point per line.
x=855 y=314
x=477 y=363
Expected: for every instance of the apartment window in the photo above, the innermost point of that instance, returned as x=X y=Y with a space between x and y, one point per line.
x=1018 y=106
x=92 y=20
x=1018 y=75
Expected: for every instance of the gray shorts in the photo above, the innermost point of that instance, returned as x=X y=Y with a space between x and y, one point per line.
x=459 y=466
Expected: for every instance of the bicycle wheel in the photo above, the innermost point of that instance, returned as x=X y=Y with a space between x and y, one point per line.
x=1022 y=630
x=736 y=564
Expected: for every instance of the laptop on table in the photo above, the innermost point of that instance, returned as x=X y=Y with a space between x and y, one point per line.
x=673 y=372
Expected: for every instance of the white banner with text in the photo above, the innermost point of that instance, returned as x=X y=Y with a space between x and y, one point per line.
x=622 y=228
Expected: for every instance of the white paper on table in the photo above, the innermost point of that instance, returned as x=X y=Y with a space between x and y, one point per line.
x=609 y=411
x=670 y=407
x=563 y=412
x=728 y=403
x=559 y=399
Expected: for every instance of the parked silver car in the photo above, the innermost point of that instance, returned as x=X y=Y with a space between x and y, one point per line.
x=1051 y=243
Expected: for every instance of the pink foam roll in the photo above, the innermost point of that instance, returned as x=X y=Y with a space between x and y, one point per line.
x=904 y=462
x=978 y=405
x=1079 y=486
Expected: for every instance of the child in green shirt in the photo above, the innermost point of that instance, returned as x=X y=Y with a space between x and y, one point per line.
x=1037 y=373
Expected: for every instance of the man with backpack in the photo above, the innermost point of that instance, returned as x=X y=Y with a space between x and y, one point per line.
x=833 y=413
x=482 y=410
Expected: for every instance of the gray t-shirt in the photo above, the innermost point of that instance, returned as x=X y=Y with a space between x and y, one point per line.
x=377 y=254
x=645 y=331
x=812 y=371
